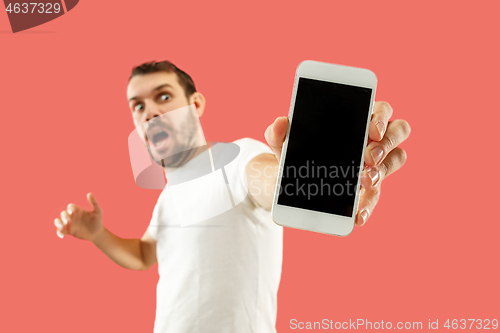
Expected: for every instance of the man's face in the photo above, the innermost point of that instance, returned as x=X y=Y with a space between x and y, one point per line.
x=151 y=97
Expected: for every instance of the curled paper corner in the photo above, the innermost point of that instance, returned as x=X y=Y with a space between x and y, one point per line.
x=147 y=173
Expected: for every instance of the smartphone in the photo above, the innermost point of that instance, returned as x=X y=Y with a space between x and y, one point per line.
x=322 y=158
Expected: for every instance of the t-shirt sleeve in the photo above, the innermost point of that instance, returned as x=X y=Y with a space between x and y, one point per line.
x=154 y=224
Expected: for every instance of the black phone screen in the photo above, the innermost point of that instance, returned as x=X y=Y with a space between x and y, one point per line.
x=325 y=144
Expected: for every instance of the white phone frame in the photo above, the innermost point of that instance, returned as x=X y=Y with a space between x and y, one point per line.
x=310 y=220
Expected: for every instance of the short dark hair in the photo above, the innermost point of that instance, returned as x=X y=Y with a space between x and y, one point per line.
x=184 y=79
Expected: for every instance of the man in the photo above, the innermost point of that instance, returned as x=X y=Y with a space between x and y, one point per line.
x=218 y=274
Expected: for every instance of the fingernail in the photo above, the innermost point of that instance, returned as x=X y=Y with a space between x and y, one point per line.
x=364 y=216
x=60 y=234
x=374 y=176
x=380 y=128
x=70 y=211
x=58 y=224
x=64 y=220
x=377 y=153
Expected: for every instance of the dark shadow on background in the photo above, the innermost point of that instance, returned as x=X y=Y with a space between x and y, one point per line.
x=27 y=32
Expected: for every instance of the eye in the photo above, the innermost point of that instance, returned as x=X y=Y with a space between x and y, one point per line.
x=138 y=107
x=164 y=97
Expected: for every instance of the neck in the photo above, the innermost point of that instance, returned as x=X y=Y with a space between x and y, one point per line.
x=185 y=158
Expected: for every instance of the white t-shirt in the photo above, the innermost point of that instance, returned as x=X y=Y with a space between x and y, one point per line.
x=219 y=254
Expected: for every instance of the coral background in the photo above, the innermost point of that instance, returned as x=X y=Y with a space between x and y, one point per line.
x=429 y=251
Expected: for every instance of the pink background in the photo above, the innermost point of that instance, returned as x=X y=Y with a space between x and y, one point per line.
x=430 y=250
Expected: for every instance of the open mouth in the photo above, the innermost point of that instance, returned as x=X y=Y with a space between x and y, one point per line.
x=158 y=138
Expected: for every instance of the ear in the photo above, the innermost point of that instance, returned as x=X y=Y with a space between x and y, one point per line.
x=199 y=102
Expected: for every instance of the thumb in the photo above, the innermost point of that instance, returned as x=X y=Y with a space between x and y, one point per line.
x=93 y=202
x=275 y=135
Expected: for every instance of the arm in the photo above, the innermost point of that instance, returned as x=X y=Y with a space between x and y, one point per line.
x=262 y=171
x=137 y=254
x=261 y=175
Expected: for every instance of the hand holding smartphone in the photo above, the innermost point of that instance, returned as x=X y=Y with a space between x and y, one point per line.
x=322 y=158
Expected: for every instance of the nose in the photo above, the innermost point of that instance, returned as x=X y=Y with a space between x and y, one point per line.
x=152 y=111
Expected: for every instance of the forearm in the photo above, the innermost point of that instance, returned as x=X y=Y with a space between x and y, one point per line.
x=127 y=253
x=261 y=175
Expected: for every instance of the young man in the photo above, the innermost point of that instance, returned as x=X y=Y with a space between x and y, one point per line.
x=221 y=273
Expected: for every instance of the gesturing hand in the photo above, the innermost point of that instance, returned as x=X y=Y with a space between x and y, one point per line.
x=78 y=222
x=382 y=155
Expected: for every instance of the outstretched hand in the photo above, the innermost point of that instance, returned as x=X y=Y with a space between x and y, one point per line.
x=79 y=222
x=382 y=155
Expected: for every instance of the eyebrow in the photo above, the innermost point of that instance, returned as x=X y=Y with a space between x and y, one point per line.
x=166 y=85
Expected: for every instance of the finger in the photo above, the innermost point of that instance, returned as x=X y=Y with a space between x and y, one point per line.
x=368 y=199
x=394 y=161
x=380 y=118
x=72 y=209
x=275 y=135
x=58 y=223
x=370 y=177
x=60 y=228
x=397 y=131
x=373 y=175
x=93 y=202
x=65 y=218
